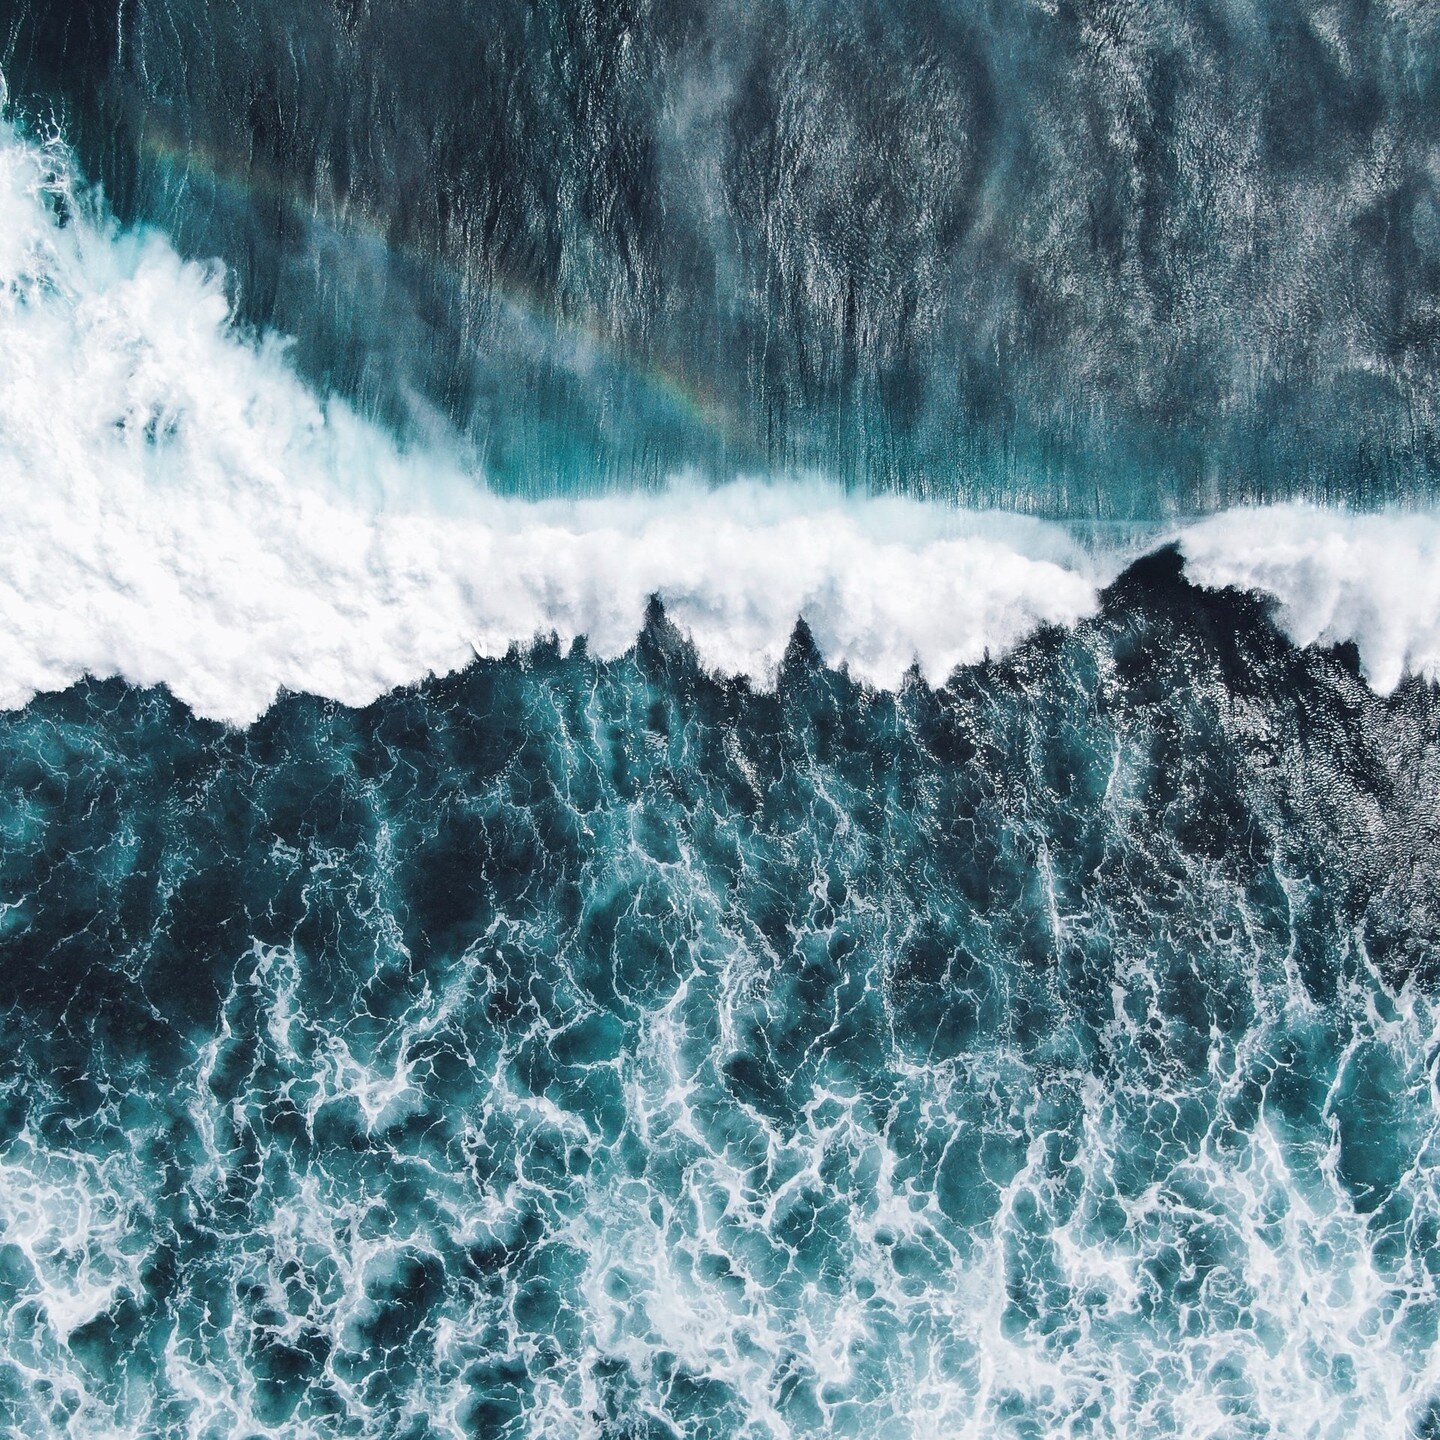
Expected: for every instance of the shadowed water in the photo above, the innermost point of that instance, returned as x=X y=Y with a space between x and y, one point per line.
x=1080 y=258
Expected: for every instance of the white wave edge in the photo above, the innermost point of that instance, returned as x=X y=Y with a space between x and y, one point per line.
x=181 y=510
x=1338 y=575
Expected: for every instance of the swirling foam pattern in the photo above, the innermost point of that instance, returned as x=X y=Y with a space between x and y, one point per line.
x=599 y=1048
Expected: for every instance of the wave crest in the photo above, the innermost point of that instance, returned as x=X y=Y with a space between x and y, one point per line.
x=183 y=510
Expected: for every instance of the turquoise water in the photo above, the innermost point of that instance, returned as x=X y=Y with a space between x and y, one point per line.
x=952 y=966
x=581 y=1048
x=1072 y=259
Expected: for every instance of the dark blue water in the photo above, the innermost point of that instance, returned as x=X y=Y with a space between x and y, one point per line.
x=600 y=1026
x=1078 y=258
x=569 y=1048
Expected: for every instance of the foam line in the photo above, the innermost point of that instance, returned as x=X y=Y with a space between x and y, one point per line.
x=181 y=509
x=1373 y=579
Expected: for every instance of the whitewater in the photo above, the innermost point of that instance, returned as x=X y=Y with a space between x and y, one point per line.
x=182 y=510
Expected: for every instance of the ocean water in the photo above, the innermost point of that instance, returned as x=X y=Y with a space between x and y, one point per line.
x=581 y=861
x=1068 y=258
x=585 y=1047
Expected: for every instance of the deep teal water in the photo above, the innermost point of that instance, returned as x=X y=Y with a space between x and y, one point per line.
x=567 y=1048
x=600 y=1047
x=1089 y=258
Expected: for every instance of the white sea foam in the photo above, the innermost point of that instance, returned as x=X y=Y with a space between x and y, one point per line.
x=181 y=509
x=1373 y=579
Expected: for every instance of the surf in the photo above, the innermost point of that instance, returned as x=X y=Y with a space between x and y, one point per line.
x=184 y=510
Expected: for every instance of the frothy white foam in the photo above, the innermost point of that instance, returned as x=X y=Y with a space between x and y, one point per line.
x=181 y=509
x=1372 y=579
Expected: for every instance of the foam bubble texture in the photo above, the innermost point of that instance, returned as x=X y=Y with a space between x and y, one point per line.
x=1338 y=576
x=182 y=510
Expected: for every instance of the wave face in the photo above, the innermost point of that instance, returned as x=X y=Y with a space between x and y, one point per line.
x=597 y=1048
x=1082 y=258
x=182 y=510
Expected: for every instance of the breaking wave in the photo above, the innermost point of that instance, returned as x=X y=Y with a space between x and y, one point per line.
x=183 y=510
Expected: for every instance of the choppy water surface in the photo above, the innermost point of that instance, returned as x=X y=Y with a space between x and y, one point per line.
x=719 y=721
x=581 y=1048
x=1078 y=258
